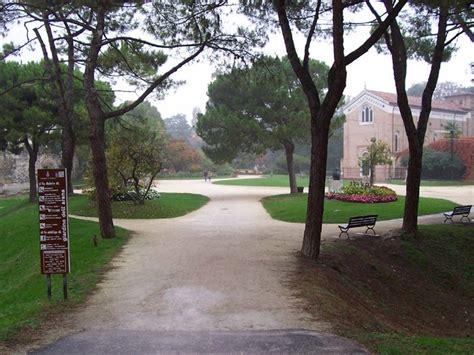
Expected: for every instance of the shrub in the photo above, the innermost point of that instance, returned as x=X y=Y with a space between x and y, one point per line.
x=364 y=193
x=132 y=196
x=437 y=163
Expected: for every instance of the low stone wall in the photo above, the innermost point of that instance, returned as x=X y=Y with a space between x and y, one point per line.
x=14 y=176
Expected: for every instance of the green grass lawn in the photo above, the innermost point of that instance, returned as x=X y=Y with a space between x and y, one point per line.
x=267 y=180
x=386 y=343
x=23 y=288
x=169 y=205
x=13 y=203
x=282 y=181
x=434 y=182
x=292 y=208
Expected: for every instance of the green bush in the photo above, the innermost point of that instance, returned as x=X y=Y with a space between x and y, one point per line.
x=438 y=164
x=359 y=188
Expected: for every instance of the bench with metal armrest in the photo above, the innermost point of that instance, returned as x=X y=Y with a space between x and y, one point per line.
x=458 y=211
x=359 y=221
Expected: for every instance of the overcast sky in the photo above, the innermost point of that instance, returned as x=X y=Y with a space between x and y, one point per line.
x=373 y=71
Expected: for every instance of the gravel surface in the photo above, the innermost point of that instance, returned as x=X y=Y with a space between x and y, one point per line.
x=220 y=270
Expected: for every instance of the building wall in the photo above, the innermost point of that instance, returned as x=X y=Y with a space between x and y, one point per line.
x=387 y=125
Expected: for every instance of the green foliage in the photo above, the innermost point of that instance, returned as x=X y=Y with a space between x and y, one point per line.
x=378 y=153
x=251 y=110
x=27 y=110
x=302 y=164
x=439 y=165
x=453 y=130
x=135 y=143
x=178 y=127
x=359 y=188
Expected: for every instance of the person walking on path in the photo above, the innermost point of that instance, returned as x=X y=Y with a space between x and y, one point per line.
x=206 y=175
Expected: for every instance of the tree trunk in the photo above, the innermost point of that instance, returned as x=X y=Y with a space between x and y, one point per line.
x=410 y=216
x=32 y=150
x=289 y=150
x=97 y=139
x=68 y=148
x=372 y=175
x=314 y=213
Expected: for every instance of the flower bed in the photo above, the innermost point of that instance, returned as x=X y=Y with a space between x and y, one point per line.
x=363 y=193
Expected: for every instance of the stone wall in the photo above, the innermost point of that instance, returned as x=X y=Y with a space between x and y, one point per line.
x=14 y=170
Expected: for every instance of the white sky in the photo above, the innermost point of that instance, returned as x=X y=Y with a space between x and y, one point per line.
x=373 y=71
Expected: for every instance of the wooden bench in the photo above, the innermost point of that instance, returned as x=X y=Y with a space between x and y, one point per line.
x=458 y=211
x=359 y=221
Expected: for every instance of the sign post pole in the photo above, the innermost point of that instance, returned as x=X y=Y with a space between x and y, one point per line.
x=54 y=225
x=48 y=285
x=65 y=286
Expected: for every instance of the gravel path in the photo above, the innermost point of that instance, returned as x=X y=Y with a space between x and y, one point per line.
x=220 y=270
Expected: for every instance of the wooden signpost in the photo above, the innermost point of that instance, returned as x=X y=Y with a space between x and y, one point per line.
x=54 y=225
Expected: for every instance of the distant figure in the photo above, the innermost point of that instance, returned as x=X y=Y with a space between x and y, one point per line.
x=209 y=176
x=206 y=175
x=336 y=174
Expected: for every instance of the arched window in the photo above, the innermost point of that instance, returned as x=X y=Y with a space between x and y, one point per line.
x=367 y=115
x=396 y=142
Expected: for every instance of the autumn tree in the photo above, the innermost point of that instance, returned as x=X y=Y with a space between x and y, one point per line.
x=426 y=32
x=180 y=156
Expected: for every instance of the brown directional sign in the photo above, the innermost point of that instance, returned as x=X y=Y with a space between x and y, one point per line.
x=53 y=221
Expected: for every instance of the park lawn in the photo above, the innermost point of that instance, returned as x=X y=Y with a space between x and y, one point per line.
x=434 y=182
x=266 y=180
x=292 y=208
x=169 y=205
x=23 y=300
x=401 y=295
x=12 y=203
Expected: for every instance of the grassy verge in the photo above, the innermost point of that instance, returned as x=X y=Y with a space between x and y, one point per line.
x=292 y=208
x=282 y=181
x=23 y=289
x=273 y=181
x=435 y=182
x=399 y=295
x=169 y=205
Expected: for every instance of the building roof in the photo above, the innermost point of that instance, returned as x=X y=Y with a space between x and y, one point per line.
x=443 y=105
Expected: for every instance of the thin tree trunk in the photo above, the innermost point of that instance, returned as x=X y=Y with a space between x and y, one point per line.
x=68 y=148
x=97 y=139
x=289 y=150
x=32 y=157
x=372 y=175
x=412 y=198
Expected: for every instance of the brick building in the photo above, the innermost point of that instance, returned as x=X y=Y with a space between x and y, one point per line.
x=375 y=114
